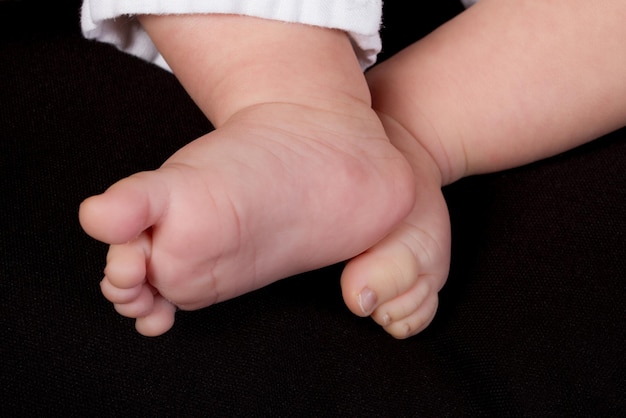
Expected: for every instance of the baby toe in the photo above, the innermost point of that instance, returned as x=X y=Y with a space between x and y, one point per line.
x=116 y=295
x=160 y=319
x=142 y=305
x=403 y=305
x=416 y=321
x=126 y=263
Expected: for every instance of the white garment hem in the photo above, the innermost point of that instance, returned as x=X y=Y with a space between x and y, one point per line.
x=112 y=21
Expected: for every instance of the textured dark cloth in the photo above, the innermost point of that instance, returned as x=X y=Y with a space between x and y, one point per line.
x=531 y=322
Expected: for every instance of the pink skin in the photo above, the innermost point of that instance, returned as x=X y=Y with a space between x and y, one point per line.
x=301 y=173
x=244 y=206
x=501 y=85
x=406 y=270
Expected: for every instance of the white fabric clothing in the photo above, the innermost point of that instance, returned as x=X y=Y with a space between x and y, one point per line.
x=468 y=3
x=112 y=21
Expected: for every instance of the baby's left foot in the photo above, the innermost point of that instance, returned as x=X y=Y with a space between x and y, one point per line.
x=397 y=280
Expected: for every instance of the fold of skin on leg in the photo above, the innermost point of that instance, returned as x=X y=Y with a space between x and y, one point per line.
x=508 y=83
x=503 y=84
x=299 y=173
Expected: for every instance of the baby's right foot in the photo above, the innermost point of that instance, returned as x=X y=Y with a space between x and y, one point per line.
x=278 y=190
x=397 y=280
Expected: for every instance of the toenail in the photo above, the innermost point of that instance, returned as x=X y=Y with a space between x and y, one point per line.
x=367 y=300
x=386 y=320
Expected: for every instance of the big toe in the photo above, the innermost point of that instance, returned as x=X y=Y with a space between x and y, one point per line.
x=379 y=275
x=126 y=209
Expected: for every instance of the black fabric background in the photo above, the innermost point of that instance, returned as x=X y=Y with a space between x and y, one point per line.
x=531 y=321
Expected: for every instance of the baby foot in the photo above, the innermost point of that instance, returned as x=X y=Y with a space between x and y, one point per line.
x=397 y=280
x=277 y=190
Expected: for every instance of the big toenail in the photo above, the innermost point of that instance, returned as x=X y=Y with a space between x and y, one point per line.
x=367 y=300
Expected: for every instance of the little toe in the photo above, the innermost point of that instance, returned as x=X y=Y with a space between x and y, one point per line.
x=160 y=319
x=379 y=275
x=416 y=321
x=405 y=304
x=142 y=305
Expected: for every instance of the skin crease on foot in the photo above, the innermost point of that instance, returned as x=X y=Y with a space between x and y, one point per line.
x=501 y=85
x=280 y=187
x=277 y=189
x=405 y=271
x=244 y=206
x=285 y=185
